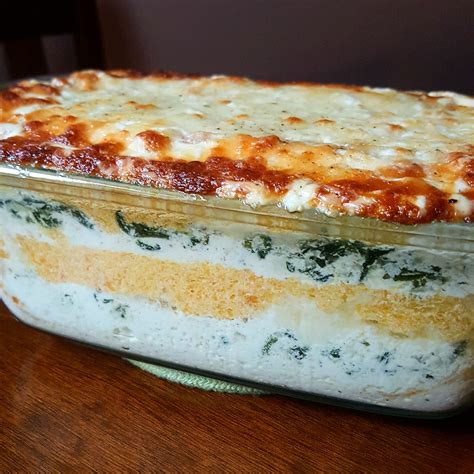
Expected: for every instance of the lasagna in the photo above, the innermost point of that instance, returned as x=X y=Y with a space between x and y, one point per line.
x=332 y=310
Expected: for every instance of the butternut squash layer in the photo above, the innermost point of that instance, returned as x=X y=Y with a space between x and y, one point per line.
x=205 y=289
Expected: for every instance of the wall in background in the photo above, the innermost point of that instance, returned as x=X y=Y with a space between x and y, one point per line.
x=411 y=44
x=425 y=44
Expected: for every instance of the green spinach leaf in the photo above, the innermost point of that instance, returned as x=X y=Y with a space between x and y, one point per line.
x=260 y=244
x=47 y=214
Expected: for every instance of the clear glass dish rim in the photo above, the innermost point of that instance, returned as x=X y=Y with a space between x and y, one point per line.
x=440 y=235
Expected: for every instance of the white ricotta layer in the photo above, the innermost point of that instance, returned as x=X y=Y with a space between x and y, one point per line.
x=311 y=355
x=225 y=247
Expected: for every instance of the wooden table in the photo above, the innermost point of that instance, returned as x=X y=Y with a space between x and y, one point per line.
x=66 y=407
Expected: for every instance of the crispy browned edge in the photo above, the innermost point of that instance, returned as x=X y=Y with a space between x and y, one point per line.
x=390 y=199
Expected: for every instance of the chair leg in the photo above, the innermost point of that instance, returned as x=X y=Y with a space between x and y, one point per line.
x=25 y=58
x=87 y=36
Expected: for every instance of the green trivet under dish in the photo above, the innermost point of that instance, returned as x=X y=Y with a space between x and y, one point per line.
x=196 y=381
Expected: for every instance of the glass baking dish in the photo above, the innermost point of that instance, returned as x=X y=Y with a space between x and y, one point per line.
x=345 y=310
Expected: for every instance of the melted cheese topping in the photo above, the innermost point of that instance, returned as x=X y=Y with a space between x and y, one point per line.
x=400 y=157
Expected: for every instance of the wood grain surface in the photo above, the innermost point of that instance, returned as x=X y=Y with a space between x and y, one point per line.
x=64 y=407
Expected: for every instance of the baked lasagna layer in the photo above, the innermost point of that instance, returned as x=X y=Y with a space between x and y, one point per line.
x=378 y=324
x=405 y=157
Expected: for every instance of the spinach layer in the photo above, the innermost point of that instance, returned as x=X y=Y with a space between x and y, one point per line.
x=47 y=214
x=140 y=231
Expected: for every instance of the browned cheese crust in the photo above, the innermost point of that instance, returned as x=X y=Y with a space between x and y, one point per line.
x=399 y=157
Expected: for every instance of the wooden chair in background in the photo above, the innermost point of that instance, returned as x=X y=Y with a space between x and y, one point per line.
x=24 y=25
